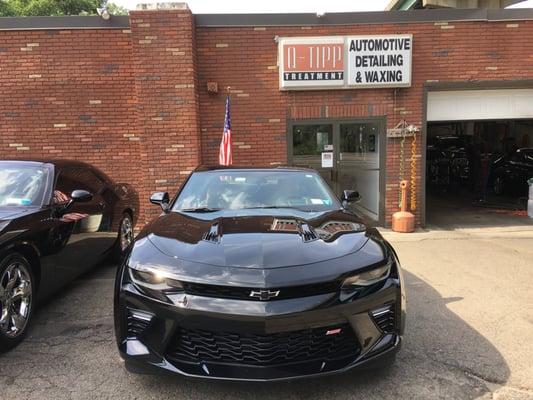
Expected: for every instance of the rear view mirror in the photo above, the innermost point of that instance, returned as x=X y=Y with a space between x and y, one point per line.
x=162 y=199
x=350 y=196
x=81 y=196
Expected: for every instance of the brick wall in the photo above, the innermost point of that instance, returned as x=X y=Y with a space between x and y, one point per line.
x=69 y=94
x=164 y=62
x=245 y=58
x=134 y=101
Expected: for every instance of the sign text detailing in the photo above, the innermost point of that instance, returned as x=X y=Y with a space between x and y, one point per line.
x=379 y=61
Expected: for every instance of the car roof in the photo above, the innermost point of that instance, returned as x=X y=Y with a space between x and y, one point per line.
x=280 y=168
x=57 y=162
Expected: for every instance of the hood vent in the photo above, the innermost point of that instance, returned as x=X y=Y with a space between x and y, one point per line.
x=331 y=228
x=284 y=225
x=291 y=225
x=307 y=233
x=213 y=236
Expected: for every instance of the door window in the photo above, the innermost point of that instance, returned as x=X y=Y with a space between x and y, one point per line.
x=311 y=139
x=359 y=141
x=355 y=150
x=71 y=179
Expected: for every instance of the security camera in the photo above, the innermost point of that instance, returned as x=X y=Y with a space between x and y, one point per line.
x=104 y=13
x=320 y=14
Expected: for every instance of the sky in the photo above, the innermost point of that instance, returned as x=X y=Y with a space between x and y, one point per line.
x=278 y=6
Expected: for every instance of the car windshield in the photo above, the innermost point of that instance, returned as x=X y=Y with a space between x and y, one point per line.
x=22 y=185
x=248 y=189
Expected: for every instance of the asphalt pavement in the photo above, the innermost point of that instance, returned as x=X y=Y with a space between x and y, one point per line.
x=469 y=332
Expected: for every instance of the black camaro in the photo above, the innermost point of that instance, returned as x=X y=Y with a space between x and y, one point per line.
x=57 y=219
x=258 y=274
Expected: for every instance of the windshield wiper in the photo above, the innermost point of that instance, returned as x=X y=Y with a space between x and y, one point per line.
x=289 y=207
x=265 y=207
x=200 y=210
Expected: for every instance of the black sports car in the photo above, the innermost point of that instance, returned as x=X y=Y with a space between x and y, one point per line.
x=258 y=274
x=510 y=174
x=57 y=219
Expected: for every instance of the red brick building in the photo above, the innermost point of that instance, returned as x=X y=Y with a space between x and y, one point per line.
x=130 y=95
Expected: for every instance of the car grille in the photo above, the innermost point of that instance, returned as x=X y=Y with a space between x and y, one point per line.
x=384 y=318
x=265 y=350
x=243 y=293
x=137 y=322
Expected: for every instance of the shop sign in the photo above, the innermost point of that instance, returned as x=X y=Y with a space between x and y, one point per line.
x=345 y=62
x=379 y=61
x=317 y=62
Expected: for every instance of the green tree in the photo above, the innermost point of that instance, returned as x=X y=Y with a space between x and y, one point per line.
x=9 y=8
x=116 y=10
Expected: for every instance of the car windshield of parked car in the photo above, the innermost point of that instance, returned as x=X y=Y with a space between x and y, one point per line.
x=248 y=189
x=21 y=185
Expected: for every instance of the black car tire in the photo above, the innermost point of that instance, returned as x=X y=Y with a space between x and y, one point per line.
x=25 y=280
x=125 y=229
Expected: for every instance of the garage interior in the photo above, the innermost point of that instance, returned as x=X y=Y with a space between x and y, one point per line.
x=477 y=168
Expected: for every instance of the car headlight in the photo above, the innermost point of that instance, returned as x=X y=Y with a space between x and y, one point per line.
x=154 y=280
x=369 y=277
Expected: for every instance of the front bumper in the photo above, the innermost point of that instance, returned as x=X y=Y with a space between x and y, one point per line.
x=147 y=331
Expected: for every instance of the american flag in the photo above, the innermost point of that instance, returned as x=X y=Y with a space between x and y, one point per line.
x=224 y=156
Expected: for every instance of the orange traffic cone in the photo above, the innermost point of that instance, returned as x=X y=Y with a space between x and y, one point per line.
x=403 y=221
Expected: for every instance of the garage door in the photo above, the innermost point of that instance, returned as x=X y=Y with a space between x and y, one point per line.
x=480 y=104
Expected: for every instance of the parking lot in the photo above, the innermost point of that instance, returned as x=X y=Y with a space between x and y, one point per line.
x=470 y=320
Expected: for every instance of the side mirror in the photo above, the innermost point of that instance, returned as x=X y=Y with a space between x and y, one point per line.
x=81 y=196
x=162 y=199
x=350 y=196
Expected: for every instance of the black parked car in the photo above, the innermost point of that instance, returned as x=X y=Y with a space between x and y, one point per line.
x=57 y=219
x=510 y=174
x=258 y=274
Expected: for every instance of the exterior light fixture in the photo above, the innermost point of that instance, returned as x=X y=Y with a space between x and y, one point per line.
x=104 y=13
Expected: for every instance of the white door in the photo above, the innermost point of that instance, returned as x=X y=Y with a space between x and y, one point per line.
x=462 y=105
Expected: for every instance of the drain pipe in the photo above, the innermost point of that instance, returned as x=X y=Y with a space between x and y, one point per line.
x=403 y=221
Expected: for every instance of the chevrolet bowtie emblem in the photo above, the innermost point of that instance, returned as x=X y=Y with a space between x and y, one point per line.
x=264 y=294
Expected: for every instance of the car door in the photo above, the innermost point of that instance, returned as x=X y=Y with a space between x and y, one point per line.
x=81 y=228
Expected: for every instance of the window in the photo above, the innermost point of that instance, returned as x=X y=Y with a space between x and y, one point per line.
x=22 y=185
x=311 y=139
x=236 y=189
x=71 y=179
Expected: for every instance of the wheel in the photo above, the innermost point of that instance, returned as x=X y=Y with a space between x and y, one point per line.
x=498 y=185
x=125 y=237
x=17 y=288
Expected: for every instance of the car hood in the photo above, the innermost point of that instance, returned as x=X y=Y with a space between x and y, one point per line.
x=11 y=213
x=257 y=239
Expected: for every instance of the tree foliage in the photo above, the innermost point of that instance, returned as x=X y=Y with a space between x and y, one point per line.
x=11 y=8
x=116 y=10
